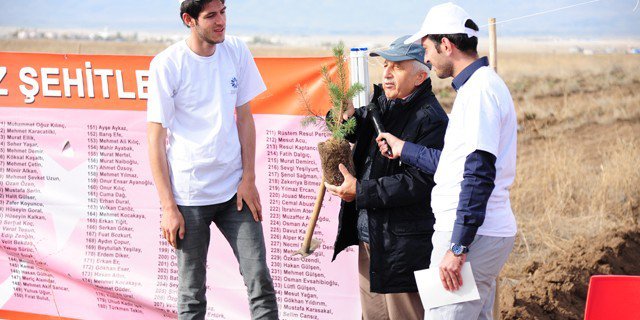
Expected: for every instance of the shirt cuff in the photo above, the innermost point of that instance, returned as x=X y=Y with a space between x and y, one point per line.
x=410 y=153
x=463 y=234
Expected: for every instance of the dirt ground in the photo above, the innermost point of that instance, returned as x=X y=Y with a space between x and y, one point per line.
x=555 y=286
x=558 y=290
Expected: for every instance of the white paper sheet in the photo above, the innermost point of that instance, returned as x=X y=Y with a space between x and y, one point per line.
x=433 y=294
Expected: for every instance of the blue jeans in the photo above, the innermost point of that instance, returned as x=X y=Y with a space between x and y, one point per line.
x=247 y=241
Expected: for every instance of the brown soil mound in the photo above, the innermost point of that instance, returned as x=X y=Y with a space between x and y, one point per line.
x=558 y=290
x=333 y=153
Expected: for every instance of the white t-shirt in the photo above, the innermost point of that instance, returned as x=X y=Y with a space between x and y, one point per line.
x=194 y=97
x=483 y=118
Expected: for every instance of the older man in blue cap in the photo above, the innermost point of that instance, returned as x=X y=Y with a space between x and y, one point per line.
x=385 y=207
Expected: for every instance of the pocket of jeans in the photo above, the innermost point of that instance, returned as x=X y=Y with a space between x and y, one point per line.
x=194 y=226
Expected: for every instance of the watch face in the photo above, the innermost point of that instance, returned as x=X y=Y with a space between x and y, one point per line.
x=458 y=249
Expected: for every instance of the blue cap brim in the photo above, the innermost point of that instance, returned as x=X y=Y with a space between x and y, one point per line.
x=390 y=57
x=396 y=58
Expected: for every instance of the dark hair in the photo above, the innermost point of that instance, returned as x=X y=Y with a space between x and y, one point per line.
x=193 y=8
x=462 y=41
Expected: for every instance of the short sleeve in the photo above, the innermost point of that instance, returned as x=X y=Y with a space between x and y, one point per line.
x=160 y=105
x=250 y=83
x=482 y=122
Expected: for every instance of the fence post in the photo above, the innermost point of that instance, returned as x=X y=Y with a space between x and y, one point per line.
x=493 y=62
x=493 y=45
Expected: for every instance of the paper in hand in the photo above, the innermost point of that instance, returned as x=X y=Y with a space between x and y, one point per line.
x=433 y=294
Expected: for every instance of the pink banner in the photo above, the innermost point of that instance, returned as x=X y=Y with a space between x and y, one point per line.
x=79 y=222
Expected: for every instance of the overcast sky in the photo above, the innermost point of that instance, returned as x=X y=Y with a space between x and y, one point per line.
x=584 y=19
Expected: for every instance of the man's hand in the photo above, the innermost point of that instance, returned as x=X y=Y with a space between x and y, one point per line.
x=451 y=271
x=172 y=225
x=248 y=192
x=387 y=140
x=349 y=111
x=347 y=190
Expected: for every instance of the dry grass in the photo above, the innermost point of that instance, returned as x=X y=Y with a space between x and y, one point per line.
x=577 y=91
x=571 y=188
x=579 y=141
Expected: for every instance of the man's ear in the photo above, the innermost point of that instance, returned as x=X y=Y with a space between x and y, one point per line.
x=447 y=46
x=421 y=77
x=188 y=20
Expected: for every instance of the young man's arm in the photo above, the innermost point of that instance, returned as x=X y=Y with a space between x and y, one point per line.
x=172 y=221
x=476 y=187
x=247 y=190
x=419 y=156
x=409 y=186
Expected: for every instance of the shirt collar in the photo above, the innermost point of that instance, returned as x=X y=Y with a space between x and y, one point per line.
x=388 y=105
x=466 y=73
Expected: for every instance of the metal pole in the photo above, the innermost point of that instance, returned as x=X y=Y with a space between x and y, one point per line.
x=363 y=75
x=359 y=67
x=354 y=56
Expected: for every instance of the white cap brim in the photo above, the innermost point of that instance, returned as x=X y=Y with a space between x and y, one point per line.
x=415 y=37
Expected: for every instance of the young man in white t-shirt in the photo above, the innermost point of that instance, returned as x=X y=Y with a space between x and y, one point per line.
x=202 y=153
x=473 y=173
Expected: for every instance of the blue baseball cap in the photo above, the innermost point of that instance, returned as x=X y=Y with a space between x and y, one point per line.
x=399 y=51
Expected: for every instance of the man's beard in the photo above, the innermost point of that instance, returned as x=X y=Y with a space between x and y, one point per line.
x=212 y=42
x=445 y=71
x=207 y=39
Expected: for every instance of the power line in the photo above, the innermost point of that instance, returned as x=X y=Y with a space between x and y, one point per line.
x=545 y=12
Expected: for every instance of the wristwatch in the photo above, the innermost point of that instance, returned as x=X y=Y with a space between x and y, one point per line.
x=458 y=249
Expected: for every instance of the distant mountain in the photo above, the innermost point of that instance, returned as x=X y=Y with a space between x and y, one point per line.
x=577 y=18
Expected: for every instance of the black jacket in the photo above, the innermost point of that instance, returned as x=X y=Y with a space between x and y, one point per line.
x=397 y=196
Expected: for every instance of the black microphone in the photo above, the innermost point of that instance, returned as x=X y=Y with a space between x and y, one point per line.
x=374 y=110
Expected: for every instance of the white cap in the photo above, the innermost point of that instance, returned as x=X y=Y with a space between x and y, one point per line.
x=446 y=18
